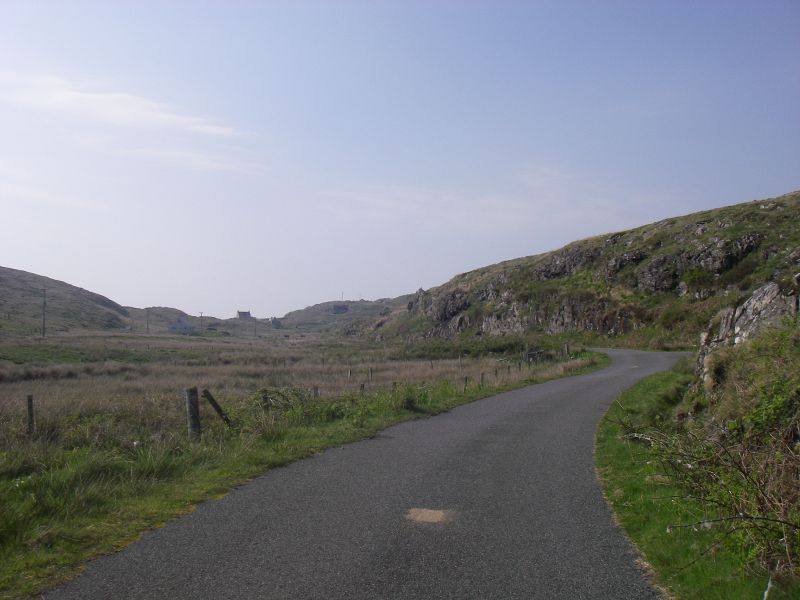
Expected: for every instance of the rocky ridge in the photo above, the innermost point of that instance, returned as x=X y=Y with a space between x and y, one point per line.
x=618 y=283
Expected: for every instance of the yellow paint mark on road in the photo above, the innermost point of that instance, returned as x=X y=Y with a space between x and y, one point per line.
x=427 y=515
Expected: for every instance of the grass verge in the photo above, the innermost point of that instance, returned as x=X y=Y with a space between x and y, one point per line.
x=62 y=504
x=689 y=562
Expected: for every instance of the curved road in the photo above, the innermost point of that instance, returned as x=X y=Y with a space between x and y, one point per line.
x=495 y=499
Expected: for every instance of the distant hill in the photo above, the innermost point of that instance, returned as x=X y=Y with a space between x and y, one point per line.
x=666 y=279
x=334 y=316
x=68 y=307
x=73 y=309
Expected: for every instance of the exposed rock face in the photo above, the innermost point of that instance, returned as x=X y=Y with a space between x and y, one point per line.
x=615 y=265
x=767 y=306
x=566 y=262
x=449 y=305
x=511 y=320
x=660 y=275
x=718 y=255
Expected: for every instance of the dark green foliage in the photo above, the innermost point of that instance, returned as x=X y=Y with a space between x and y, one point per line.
x=735 y=450
x=697 y=278
x=693 y=555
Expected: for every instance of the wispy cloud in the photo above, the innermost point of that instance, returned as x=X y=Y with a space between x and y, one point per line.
x=423 y=207
x=16 y=194
x=190 y=159
x=538 y=201
x=563 y=197
x=57 y=95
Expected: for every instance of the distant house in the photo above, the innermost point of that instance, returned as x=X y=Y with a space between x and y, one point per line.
x=243 y=314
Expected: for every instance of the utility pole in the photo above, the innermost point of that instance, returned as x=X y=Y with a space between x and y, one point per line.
x=44 y=312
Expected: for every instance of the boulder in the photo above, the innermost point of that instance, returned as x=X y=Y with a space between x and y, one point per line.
x=767 y=306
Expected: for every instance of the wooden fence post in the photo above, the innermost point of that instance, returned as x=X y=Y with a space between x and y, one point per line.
x=31 y=420
x=362 y=389
x=482 y=378
x=217 y=408
x=466 y=381
x=349 y=374
x=192 y=413
x=370 y=373
x=315 y=391
x=459 y=362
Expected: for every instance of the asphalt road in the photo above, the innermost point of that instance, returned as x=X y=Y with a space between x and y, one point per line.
x=495 y=499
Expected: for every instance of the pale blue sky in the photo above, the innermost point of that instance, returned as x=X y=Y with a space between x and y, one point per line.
x=271 y=155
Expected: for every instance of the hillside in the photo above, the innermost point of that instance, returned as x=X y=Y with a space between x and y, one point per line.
x=73 y=309
x=661 y=282
x=68 y=307
x=330 y=316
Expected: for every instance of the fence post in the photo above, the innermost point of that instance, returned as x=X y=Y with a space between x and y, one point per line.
x=349 y=374
x=207 y=395
x=362 y=389
x=192 y=413
x=316 y=391
x=31 y=420
x=466 y=380
x=459 y=362
x=482 y=378
x=370 y=373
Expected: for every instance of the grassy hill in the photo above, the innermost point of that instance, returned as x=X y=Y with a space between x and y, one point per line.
x=660 y=283
x=68 y=307
x=332 y=316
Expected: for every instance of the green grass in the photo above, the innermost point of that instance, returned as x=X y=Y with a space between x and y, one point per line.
x=691 y=563
x=63 y=503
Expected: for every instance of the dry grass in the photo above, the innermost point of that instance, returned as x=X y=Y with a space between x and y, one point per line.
x=134 y=384
x=142 y=389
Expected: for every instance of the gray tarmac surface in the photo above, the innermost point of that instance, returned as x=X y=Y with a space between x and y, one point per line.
x=507 y=503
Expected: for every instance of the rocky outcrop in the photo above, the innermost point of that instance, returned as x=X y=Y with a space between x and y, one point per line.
x=510 y=320
x=616 y=264
x=659 y=275
x=767 y=306
x=566 y=262
x=718 y=255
